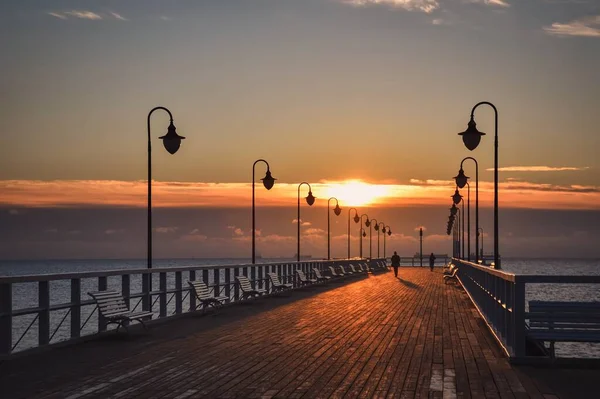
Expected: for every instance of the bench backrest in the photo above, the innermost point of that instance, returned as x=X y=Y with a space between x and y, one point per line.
x=274 y=279
x=110 y=303
x=564 y=315
x=200 y=289
x=301 y=276
x=317 y=272
x=333 y=272
x=244 y=283
x=352 y=269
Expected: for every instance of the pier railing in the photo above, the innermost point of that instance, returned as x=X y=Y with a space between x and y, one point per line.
x=38 y=310
x=500 y=297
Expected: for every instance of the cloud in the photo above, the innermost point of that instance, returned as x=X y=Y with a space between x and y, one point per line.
x=426 y=6
x=587 y=27
x=538 y=169
x=313 y=231
x=239 y=232
x=84 y=15
x=57 y=15
x=110 y=232
x=420 y=227
x=165 y=230
x=132 y=194
x=306 y=224
x=13 y=212
x=89 y=15
x=118 y=16
x=497 y=3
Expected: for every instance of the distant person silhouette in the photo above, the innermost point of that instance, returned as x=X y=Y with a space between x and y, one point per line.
x=395 y=263
x=431 y=261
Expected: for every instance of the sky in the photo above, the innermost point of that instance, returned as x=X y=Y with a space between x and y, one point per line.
x=361 y=98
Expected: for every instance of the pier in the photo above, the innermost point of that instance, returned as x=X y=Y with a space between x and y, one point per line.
x=370 y=335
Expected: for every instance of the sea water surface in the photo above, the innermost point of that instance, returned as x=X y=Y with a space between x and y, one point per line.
x=25 y=294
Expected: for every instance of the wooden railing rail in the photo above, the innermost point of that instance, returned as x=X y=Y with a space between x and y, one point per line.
x=500 y=299
x=58 y=303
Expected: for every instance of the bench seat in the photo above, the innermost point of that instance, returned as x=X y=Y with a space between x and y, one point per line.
x=553 y=321
x=111 y=305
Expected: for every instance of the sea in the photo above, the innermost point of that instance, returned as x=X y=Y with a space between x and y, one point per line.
x=25 y=294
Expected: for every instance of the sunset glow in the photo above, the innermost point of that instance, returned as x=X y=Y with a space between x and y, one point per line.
x=357 y=193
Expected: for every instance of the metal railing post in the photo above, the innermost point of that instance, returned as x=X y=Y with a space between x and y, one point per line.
x=5 y=318
x=75 y=307
x=44 y=319
x=519 y=319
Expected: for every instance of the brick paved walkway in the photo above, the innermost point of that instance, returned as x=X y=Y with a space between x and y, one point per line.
x=375 y=336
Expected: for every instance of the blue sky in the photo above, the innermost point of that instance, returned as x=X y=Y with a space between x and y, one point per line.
x=326 y=90
x=272 y=77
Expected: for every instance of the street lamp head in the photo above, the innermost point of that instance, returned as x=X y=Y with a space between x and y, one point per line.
x=364 y=233
x=367 y=222
x=383 y=230
x=461 y=179
x=389 y=232
x=356 y=217
x=376 y=227
x=456 y=198
x=337 y=210
x=310 y=199
x=268 y=180
x=453 y=210
x=471 y=137
x=171 y=140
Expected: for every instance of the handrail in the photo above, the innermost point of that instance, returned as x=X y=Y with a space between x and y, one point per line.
x=171 y=296
x=500 y=299
x=119 y=272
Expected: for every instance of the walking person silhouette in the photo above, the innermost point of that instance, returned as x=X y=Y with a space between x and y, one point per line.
x=431 y=261
x=395 y=263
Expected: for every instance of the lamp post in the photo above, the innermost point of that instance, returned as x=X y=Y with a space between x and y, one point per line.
x=337 y=210
x=268 y=182
x=172 y=142
x=389 y=233
x=309 y=200
x=462 y=180
x=377 y=226
x=356 y=220
x=471 y=138
x=369 y=224
x=362 y=233
x=453 y=212
x=481 y=229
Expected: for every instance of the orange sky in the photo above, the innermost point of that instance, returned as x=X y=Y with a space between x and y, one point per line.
x=74 y=193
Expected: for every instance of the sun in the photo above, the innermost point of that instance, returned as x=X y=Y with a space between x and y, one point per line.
x=356 y=192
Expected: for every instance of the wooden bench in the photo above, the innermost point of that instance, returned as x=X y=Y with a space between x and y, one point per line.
x=334 y=273
x=319 y=276
x=246 y=288
x=451 y=275
x=355 y=270
x=278 y=286
x=563 y=322
x=204 y=297
x=305 y=280
x=112 y=307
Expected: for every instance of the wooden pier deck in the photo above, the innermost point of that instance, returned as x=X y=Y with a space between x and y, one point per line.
x=374 y=336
